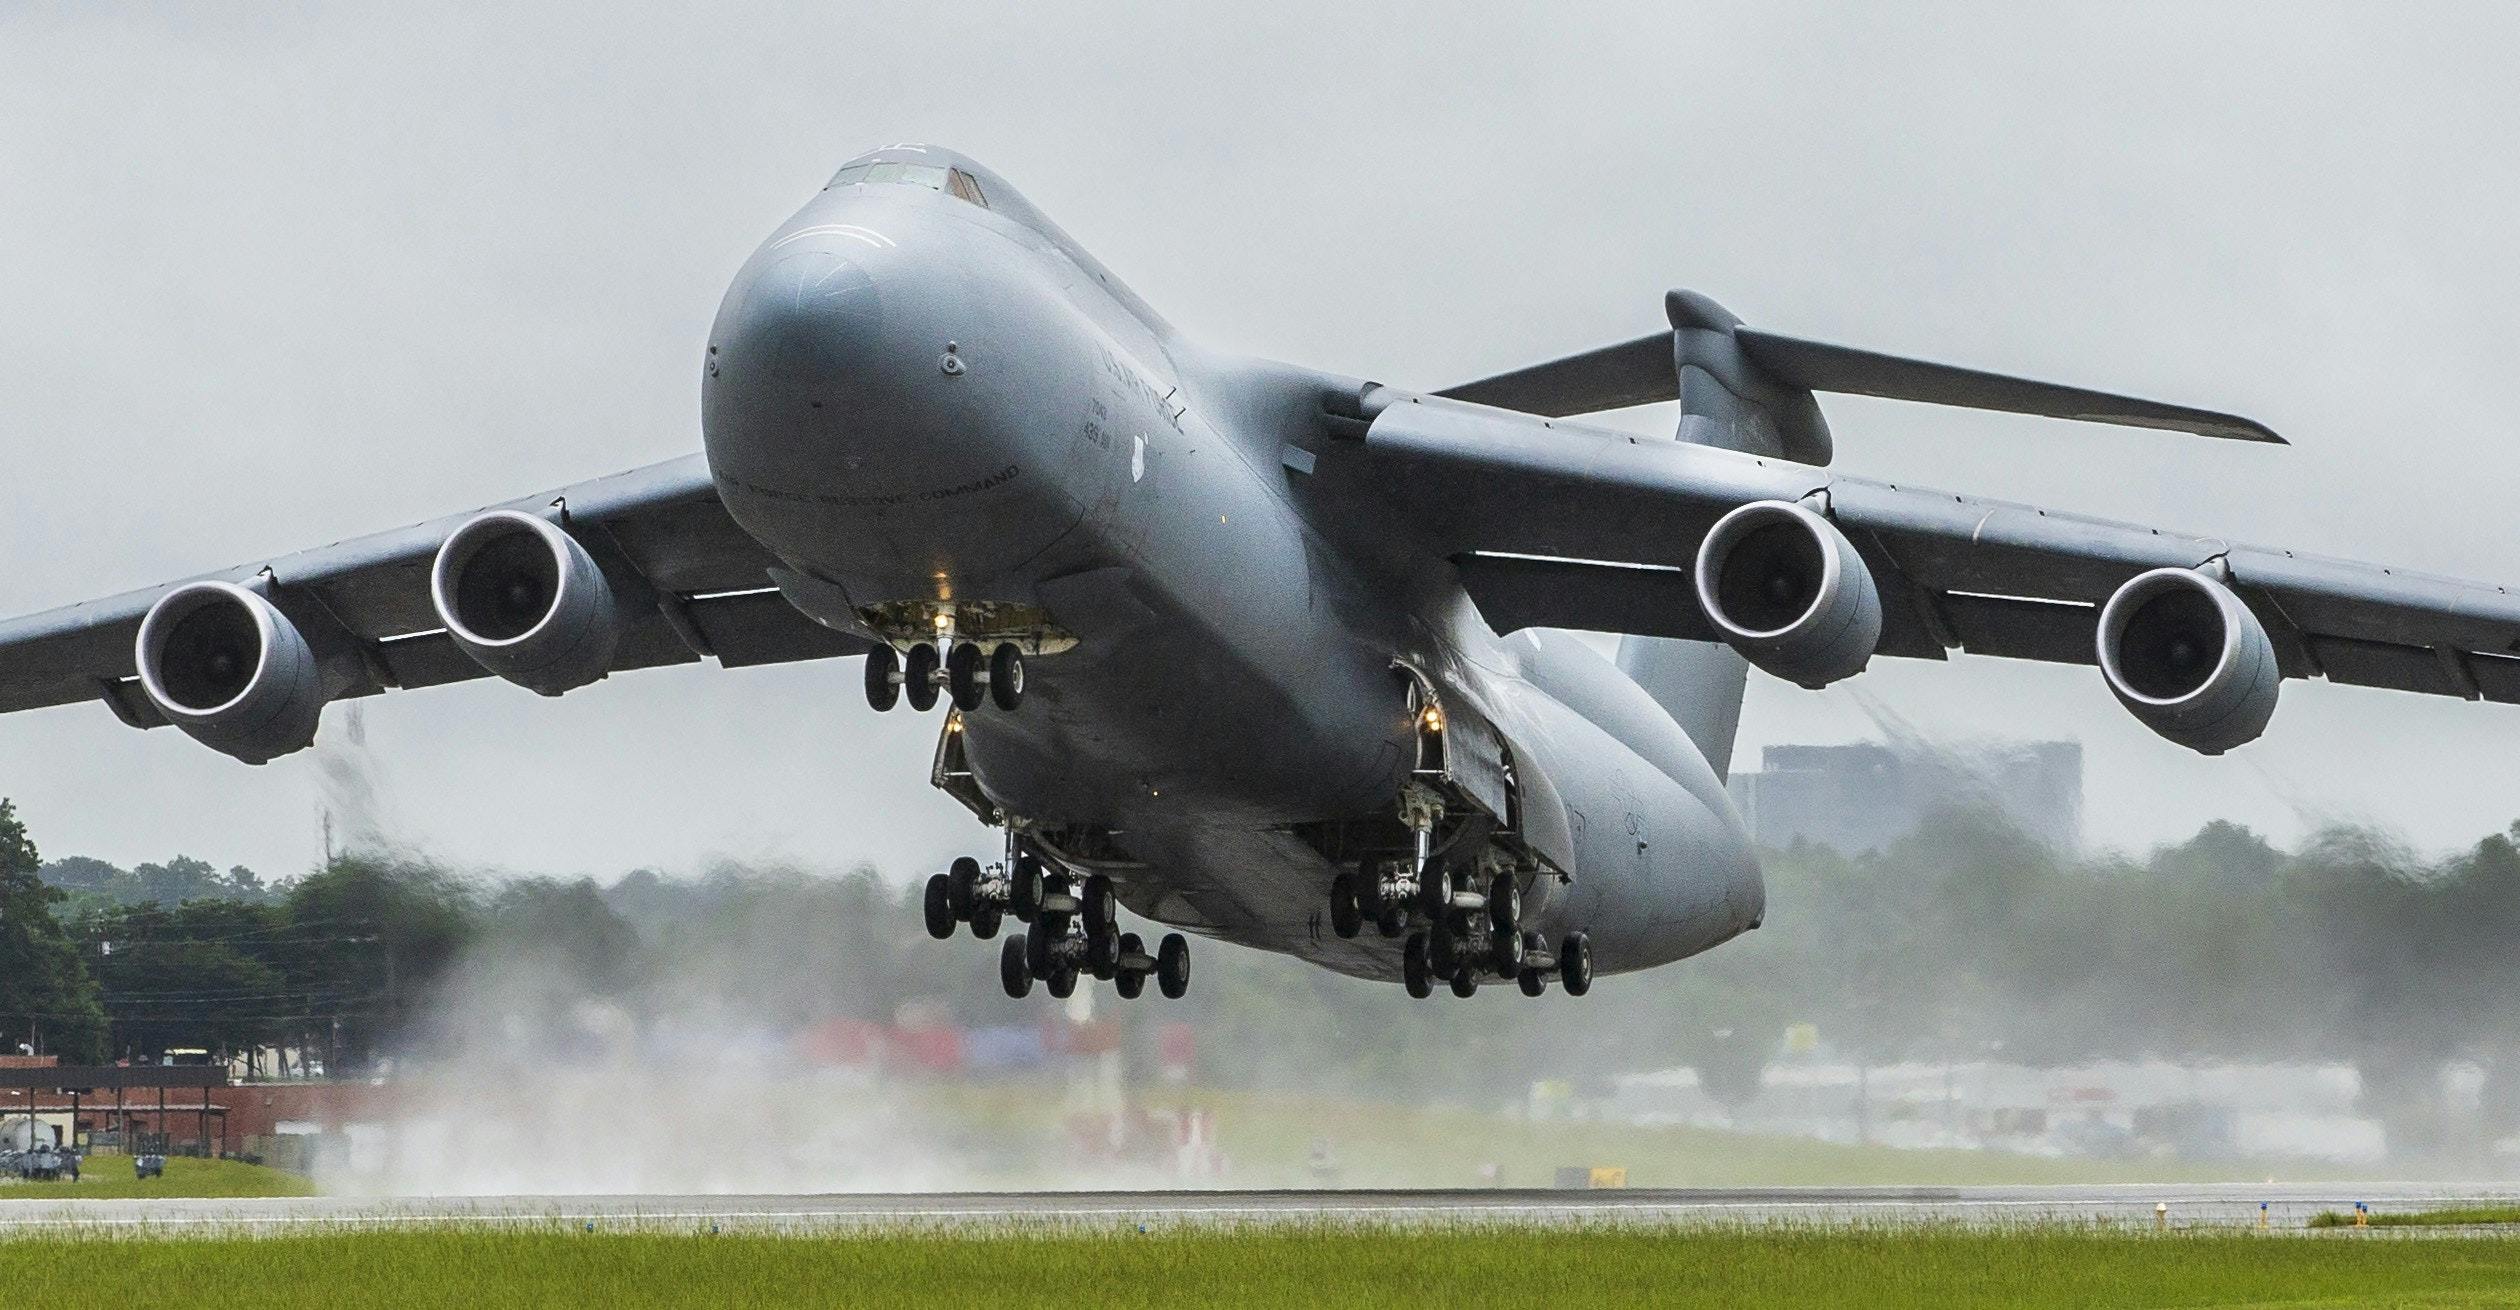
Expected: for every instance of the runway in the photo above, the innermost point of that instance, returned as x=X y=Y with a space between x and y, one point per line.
x=2189 y=1205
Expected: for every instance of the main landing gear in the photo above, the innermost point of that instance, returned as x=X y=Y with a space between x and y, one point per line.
x=1466 y=935
x=1072 y=929
x=967 y=673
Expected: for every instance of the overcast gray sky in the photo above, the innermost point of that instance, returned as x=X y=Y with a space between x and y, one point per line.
x=270 y=281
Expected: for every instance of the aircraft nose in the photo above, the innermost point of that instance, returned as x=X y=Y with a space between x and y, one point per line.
x=808 y=319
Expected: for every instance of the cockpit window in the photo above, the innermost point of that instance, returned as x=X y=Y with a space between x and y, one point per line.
x=953 y=181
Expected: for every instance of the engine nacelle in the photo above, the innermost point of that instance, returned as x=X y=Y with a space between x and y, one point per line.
x=228 y=667
x=2183 y=654
x=1785 y=588
x=526 y=602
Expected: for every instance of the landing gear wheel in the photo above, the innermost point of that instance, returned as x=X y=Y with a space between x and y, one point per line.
x=1131 y=982
x=1391 y=920
x=1062 y=983
x=1505 y=951
x=1575 y=964
x=1415 y=973
x=1102 y=907
x=1006 y=676
x=1102 y=955
x=1465 y=983
x=1023 y=893
x=1505 y=906
x=1435 y=891
x=1014 y=968
x=1172 y=967
x=883 y=677
x=1347 y=910
x=1534 y=982
x=962 y=677
x=962 y=883
x=1037 y=951
x=938 y=908
x=918 y=677
x=985 y=918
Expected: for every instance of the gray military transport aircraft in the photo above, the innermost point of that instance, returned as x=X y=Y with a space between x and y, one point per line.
x=1268 y=654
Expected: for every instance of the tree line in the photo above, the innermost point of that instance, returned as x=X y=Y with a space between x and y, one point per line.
x=1963 y=941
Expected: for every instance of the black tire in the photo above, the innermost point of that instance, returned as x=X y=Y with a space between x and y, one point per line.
x=1533 y=982
x=1435 y=891
x=1006 y=677
x=1391 y=921
x=918 y=677
x=1023 y=894
x=985 y=919
x=1130 y=944
x=938 y=908
x=1347 y=913
x=883 y=677
x=1130 y=983
x=1014 y=968
x=1505 y=906
x=1465 y=984
x=1037 y=951
x=1415 y=973
x=1062 y=982
x=1505 y=951
x=1172 y=966
x=962 y=886
x=1102 y=954
x=1575 y=964
x=1102 y=907
x=962 y=677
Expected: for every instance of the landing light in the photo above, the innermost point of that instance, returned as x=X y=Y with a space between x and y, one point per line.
x=1434 y=719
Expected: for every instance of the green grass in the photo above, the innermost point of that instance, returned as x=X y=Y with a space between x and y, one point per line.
x=2445 y=1218
x=106 y=1177
x=1740 y=1269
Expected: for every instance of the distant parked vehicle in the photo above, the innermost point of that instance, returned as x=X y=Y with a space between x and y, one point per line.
x=42 y=1165
x=148 y=1166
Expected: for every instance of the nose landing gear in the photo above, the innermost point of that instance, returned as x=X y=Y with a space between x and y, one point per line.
x=967 y=675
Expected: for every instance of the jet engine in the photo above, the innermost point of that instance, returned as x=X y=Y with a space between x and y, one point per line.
x=526 y=602
x=228 y=667
x=1786 y=589
x=2183 y=654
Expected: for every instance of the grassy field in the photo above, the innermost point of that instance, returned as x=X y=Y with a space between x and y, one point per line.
x=2456 y=1217
x=1738 y=1269
x=109 y=1176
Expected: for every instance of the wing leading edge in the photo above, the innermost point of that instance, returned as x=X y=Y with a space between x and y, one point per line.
x=1572 y=527
x=691 y=585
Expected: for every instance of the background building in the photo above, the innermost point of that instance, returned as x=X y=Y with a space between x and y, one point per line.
x=1864 y=796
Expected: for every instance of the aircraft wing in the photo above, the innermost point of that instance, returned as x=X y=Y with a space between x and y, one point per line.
x=688 y=582
x=1553 y=524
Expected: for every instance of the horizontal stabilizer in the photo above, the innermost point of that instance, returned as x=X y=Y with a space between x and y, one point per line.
x=1638 y=372
x=1819 y=366
x=1768 y=370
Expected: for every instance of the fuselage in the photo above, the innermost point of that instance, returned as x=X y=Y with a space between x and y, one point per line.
x=936 y=409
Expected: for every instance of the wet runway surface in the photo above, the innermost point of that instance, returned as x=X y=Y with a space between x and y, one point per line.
x=2189 y=1205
